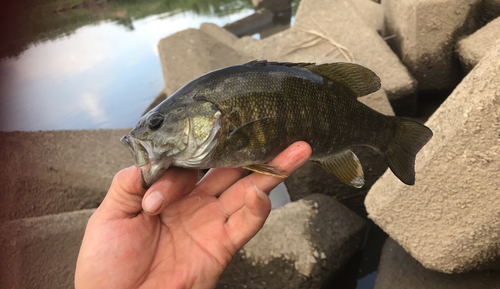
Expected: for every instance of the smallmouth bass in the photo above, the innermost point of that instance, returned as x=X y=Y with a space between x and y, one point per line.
x=244 y=115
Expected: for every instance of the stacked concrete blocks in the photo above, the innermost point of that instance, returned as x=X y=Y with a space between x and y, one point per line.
x=301 y=244
x=449 y=221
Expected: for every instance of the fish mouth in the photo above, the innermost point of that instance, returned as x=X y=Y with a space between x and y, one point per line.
x=143 y=154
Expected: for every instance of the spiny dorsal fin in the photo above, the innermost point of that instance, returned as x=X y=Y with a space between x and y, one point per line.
x=345 y=166
x=359 y=79
x=287 y=64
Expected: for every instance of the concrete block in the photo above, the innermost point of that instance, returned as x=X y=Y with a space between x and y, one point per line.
x=449 y=220
x=397 y=269
x=311 y=178
x=49 y=172
x=41 y=252
x=473 y=48
x=372 y=14
x=425 y=33
x=340 y=24
x=300 y=245
x=190 y=53
x=218 y=33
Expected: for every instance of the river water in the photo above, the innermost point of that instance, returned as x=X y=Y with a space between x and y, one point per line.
x=101 y=75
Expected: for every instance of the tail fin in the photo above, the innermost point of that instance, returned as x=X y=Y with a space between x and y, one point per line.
x=410 y=137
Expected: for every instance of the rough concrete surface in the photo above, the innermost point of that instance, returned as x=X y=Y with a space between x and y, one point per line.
x=49 y=172
x=300 y=245
x=372 y=14
x=473 y=48
x=397 y=269
x=425 y=33
x=450 y=220
x=41 y=252
x=311 y=178
x=190 y=53
x=218 y=33
x=339 y=22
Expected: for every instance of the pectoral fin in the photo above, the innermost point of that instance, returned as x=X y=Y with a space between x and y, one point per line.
x=267 y=170
x=345 y=166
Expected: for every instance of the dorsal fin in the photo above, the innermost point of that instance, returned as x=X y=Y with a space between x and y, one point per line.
x=287 y=64
x=359 y=79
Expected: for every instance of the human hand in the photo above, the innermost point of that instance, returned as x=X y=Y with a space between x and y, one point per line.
x=187 y=233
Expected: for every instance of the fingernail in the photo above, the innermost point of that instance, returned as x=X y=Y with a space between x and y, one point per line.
x=153 y=202
x=260 y=193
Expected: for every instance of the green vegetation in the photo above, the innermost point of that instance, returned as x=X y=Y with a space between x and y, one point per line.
x=27 y=22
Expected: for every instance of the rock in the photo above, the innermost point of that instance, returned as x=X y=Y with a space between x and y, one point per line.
x=41 y=252
x=311 y=178
x=372 y=13
x=218 y=33
x=425 y=33
x=300 y=244
x=341 y=24
x=397 y=269
x=449 y=220
x=49 y=172
x=190 y=53
x=473 y=48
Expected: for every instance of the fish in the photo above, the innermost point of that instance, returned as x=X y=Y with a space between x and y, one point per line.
x=242 y=116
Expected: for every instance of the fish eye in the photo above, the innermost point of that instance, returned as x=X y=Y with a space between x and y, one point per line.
x=155 y=121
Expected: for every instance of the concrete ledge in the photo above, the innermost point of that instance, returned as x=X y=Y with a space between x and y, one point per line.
x=49 y=172
x=41 y=252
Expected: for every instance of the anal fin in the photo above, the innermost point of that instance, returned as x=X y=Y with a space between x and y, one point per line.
x=345 y=166
x=267 y=170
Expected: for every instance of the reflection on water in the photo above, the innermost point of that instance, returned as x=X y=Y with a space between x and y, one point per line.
x=68 y=74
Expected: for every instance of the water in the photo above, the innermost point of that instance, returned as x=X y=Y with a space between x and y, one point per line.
x=101 y=75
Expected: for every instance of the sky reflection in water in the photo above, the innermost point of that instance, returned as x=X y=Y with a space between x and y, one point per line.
x=102 y=76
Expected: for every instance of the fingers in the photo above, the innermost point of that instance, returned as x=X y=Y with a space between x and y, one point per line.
x=247 y=221
x=125 y=195
x=175 y=183
x=289 y=160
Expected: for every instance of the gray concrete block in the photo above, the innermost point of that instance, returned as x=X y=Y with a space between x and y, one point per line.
x=49 y=172
x=341 y=24
x=397 y=269
x=372 y=14
x=425 y=33
x=300 y=245
x=190 y=53
x=311 y=178
x=41 y=252
x=449 y=220
x=473 y=48
x=218 y=33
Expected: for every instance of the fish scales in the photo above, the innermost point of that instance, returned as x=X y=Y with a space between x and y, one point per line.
x=244 y=115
